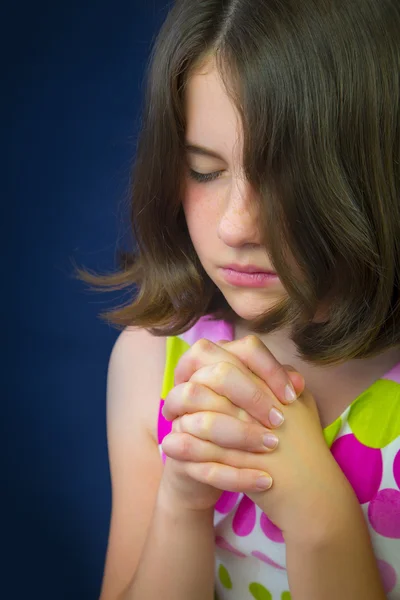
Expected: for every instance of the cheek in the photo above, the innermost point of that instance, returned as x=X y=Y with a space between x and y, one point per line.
x=200 y=212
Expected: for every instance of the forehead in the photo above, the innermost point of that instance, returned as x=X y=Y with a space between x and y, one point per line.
x=212 y=119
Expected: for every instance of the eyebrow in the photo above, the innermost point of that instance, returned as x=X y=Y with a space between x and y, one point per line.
x=202 y=151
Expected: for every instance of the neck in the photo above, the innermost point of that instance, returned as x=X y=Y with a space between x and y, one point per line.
x=333 y=387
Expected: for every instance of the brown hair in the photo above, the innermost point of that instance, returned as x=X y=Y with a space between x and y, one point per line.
x=316 y=83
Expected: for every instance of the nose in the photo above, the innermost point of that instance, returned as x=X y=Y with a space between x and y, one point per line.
x=239 y=223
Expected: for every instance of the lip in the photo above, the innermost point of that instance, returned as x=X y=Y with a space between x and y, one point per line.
x=248 y=269
x=259 y=279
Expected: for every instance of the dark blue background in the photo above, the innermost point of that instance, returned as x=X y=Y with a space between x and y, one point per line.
x=73 y=77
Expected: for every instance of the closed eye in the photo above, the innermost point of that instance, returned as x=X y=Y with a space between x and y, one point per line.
x=204 y=177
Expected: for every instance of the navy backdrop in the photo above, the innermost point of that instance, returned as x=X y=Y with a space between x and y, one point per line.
x=74 y=83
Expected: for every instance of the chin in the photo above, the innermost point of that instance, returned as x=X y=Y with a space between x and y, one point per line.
x=248 y=306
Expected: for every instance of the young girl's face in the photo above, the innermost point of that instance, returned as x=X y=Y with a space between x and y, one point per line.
x=221 y=214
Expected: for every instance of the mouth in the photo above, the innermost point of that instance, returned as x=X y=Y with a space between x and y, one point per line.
x=252 y=269
x=254 y=279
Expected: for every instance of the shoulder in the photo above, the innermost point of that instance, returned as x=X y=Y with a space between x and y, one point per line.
x=135 y=377
x=141 y=369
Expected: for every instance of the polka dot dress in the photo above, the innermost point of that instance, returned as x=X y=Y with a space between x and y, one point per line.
x=365 y=442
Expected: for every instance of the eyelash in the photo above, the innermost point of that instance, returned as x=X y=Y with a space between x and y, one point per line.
x=204 y=177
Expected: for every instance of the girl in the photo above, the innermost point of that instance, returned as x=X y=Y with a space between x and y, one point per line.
x=266 y=211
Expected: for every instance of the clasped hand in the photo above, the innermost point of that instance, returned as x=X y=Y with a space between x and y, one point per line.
x=237 y=428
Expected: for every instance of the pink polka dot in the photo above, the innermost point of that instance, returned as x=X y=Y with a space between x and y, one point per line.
x=164 y=426
x=226 y=502
x=361 y=465
x=396 y=468
x=388 y=575
x=209 y=328
x=163 y=457
x=271 y=530
x=266 y=559
x=222 y=543
x=245 y=517
x=384 y=513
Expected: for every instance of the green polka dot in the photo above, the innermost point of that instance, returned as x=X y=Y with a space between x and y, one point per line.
x=375 y=416
x=331 y=432
x=259 y=592
x=286 y=596
x=224 y=577
x=175 y=349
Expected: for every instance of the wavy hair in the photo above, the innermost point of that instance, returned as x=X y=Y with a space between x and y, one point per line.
x=316 y=84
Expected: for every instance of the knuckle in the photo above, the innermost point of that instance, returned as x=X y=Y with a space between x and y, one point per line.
x=252 y=341
x=222 y=369
x=258 y=398
x=202 y=345
x=189 y=392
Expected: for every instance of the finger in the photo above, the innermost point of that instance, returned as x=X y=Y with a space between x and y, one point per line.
x=248 y=352
x=254 y=354
x=188 y=448
x=243 y=389
x=191 y=397
x=296 y=378
x=201 y=353
x=228 y=432
x=228 y=478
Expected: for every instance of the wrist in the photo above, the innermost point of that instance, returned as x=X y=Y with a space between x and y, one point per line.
x=327 y=523
x=169 y=502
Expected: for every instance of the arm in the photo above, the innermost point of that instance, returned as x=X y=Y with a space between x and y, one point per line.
x=178 y=559
x=144 y=529
x=338 y=562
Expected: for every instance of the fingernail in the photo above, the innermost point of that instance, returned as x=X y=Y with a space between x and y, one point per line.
x=264 y=482
x=290 y=394
x=276 y=418
x=270 y=441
